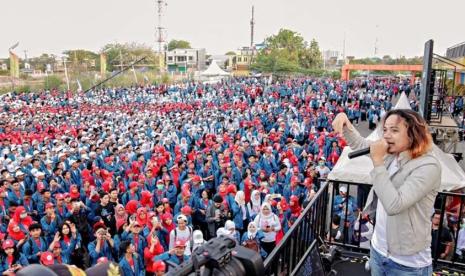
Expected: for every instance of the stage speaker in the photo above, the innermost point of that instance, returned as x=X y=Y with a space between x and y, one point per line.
x=427 y=82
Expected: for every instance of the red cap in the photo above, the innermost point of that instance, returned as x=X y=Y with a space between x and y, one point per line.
x=99 y=225
x=8 y=244
x=186 y=193
x=294 y=179
x=49 y=205
x=57 y=245
x=196 y=178
x=179 y=243
x=133 y=184
x=40 y=186
x=102 y=260
x=46 y=258
x=187 y=210
x=165 y=200
x=294 y=198
x=59 y=196
x=159 y=266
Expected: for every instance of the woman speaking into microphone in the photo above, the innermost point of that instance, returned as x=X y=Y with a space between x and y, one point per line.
x=406 y=179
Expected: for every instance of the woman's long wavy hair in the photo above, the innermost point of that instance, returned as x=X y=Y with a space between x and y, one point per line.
x=417 y=130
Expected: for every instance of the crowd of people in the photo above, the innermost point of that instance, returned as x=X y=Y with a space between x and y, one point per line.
x=142 y=176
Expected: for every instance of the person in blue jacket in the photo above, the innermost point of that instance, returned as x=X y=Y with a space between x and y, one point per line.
x=240 y=212
x=175 y=255
x=11 y=260
x=130 y=262
x=345 y=206
x=35 y=245
x=103 y=245
x=49 y=222
x=253 y=233
x=133 y=234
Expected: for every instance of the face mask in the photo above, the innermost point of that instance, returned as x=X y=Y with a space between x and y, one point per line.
x=321 y=163
x=160 y=186
x=23 y=216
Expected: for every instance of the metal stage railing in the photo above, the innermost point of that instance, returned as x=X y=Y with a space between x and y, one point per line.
x=315 y=224
x=289 y=256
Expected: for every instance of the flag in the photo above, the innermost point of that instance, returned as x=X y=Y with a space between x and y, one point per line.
x=14 y=46
x=79 y=86
x=103 y=64
x=14 y=65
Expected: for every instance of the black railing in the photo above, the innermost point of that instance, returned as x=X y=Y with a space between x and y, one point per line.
x=290 y=254
x=316 y=224
x=348 y=208
x=356 y=236
x=452 y=206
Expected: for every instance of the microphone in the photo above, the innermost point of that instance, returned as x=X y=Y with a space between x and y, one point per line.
x=360 y=152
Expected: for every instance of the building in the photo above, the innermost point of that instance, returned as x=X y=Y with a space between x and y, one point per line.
x=181 y=60
x=457 y=53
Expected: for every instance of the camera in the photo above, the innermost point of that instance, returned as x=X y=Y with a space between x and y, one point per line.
x=220 y=256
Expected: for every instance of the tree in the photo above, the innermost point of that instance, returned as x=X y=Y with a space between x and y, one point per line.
x=178 y=44
x=287 y=51
x=127 y=53
x=80 y=56
x=311 y=57
x=230 y=53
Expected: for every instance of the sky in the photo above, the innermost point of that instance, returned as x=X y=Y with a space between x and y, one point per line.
x=400 y=27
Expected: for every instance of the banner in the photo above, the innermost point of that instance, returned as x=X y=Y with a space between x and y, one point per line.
x=103 y=64
x=14 y=65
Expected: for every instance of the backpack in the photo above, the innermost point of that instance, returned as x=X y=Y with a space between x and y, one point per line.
x=191 y=238
x=252 y=244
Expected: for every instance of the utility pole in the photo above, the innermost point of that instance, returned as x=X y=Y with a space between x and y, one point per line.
x=252 y=25
x=66 y=73
x=120 y=59
x=344 y=49
x=160 y=34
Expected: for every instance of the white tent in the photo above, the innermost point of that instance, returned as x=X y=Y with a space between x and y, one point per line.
x=357 y=170
x=214 y=71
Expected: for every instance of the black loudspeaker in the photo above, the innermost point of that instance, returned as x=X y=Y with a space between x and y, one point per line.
x=427 y=82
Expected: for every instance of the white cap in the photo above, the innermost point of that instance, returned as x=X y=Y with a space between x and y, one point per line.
x=343 y=189
x=181 y=217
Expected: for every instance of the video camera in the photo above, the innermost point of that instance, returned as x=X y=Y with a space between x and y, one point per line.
x=221 y=256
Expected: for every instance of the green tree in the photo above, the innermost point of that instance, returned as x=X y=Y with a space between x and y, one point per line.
x=231 y=53
x=80 y=56
x=287 y=51
x=310 y=57
x=124 y=54
x=178 y=44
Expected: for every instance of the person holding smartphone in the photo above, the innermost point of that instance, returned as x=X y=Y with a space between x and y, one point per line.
x=11 y=260
x=103 y=245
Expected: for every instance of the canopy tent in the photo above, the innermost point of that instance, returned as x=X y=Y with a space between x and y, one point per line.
x=213 y=74
x=357 y=170
x=214 y=71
